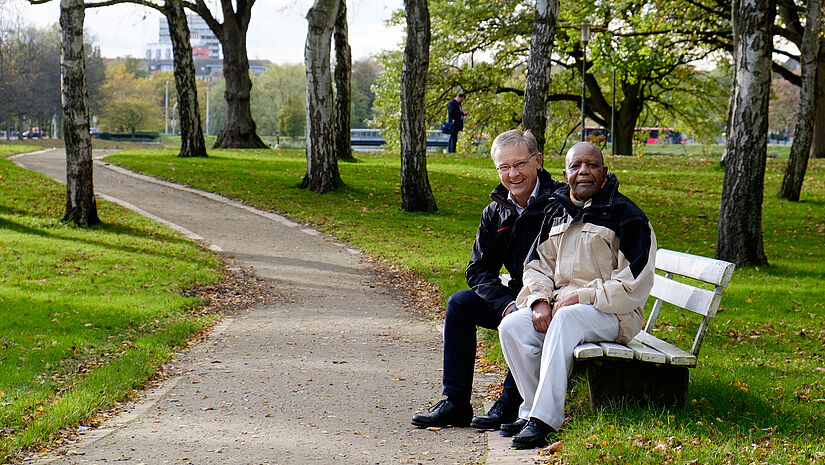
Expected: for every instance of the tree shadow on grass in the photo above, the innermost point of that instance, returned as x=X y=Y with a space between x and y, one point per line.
x=716 y=408
x=19 y=227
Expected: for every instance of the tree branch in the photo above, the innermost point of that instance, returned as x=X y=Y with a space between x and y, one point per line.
x=145 y=3
x=787 y=74
x=203 y=11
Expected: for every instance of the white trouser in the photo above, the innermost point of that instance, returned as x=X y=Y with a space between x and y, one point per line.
x=541 y=362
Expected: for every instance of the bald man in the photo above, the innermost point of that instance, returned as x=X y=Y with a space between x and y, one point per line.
x=585 y=280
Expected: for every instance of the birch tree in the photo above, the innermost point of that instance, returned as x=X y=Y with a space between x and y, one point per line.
x=803 y=136
x=343 y=86
x=81 y=208
x=534 y=116
x=192 y=143
x=416 y=195
x=739 y=230
x=322 y=166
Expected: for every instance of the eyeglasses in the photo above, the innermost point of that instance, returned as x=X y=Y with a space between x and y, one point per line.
x=518 y=166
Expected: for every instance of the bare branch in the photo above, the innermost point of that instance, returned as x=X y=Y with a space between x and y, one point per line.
x=203 y=11
x=145 y=3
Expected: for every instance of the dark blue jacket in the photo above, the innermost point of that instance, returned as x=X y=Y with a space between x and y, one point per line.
x=455 y=115
x=503 y=239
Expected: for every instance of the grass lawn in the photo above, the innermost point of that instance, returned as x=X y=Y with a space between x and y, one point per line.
x=86 y=315
x=758 y=395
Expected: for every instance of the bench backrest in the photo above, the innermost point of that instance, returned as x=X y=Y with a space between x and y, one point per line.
x=704 y=302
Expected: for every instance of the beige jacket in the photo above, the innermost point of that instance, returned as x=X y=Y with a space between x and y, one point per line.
x=604 y=252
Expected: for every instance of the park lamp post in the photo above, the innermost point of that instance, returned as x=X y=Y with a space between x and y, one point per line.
x=585 y=38
x=166 y=112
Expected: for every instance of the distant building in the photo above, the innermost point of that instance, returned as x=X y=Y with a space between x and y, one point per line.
x=206 y=50
x=208 y=69
x=205 y=43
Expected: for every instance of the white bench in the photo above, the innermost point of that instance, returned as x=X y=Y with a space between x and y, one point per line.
x=648 y=367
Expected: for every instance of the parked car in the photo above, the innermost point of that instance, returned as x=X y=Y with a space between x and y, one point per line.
x=32 y=133
x=94 y=132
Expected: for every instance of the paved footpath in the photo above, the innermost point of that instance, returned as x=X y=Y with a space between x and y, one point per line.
x=330 y=374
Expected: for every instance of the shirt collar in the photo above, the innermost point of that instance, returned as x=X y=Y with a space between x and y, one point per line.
x=533 y=196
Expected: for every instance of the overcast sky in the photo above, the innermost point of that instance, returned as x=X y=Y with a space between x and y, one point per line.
x=277 y=31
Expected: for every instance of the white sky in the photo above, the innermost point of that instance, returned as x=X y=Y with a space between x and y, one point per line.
x=277 y=31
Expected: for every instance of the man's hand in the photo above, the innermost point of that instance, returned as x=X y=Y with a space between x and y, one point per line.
x=569 y=299
x=542 y=314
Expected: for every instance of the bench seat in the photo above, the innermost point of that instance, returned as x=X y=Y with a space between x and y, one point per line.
x=649 y=368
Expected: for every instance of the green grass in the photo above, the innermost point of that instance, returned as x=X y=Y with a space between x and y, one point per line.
x=86 y=315
x=758 y=395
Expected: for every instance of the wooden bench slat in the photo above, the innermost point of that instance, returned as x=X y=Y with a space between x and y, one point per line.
x=673 y=354
x=611 y=349
x=695 y=299
x=705 y=269
x=644 y=353
x=587 y=350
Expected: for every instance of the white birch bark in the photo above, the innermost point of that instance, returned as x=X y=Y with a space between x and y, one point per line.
x=322 y=166
x=739 y=230
x=81 y=208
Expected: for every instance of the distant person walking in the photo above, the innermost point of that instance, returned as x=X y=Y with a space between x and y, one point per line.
x=455 y=115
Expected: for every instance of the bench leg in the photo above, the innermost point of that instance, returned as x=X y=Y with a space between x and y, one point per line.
x=634 y=381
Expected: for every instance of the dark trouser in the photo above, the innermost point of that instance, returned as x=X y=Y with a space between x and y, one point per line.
x=453 y=141
x=465 y=311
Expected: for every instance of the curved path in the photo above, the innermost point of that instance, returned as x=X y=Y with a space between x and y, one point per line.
x=332 y=374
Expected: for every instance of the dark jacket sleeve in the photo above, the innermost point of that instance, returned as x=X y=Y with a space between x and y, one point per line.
x=485 y=264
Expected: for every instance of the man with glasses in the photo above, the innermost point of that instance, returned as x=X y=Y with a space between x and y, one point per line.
x=509 y=225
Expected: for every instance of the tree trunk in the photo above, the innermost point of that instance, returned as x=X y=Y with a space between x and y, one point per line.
x=81 y=208
x=239 y=131
x=801 y=147
x=625 y=128
x=191 y=131
x=739 y=231
x=416 y=195
x=534 y=116
x=343 y=86
x=322 y=166
x=626 y=117
x=818 y=142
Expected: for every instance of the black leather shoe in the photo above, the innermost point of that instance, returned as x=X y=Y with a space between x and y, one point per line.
x=533 y=435
x=497 y=415
x=512 y=429
x=445 y=413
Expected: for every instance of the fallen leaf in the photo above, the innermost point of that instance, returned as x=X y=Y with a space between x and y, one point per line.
x=553 y=448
